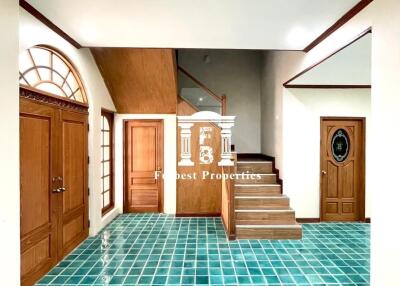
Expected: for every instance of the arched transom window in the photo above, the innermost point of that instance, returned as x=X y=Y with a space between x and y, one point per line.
x=48 y=70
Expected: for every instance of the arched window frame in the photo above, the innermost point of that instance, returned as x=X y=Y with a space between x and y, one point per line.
x=62 y=87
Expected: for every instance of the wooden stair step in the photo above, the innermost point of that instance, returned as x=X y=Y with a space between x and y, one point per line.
x=258 y=189
x=262 y=167
x=248 y=216
x=261 y=202
x=269 y=231
x=253 y=178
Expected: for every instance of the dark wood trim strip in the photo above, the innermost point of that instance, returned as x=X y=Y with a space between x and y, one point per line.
x=46 y=98
x=197 y=215
x=367 y=220
x=308 y=220
x=367 y=31
x=328 y=86
x=35 y=13
x=339 y=23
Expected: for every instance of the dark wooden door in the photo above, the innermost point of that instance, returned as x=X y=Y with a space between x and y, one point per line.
x=38 y=172
x=143 y=160
x=342 y=169
x=73 y=201
x=53 y=164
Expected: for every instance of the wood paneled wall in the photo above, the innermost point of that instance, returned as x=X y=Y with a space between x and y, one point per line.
x=198 y=196
x=142 y=81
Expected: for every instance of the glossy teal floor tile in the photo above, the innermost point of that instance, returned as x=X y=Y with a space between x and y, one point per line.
x=153 y=249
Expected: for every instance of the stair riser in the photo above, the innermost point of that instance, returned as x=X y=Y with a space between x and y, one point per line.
x=269 y=233
x=265 y=218
x=259 y=203
x=262 y=179
x=258 y=191
x=255 y=168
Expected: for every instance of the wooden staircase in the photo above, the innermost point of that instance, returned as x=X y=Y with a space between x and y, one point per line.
x=261 y=211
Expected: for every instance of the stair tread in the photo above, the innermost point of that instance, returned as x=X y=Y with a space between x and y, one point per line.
x=261 y=197
x=264 y=210
x=254 y=162
x=262 y=226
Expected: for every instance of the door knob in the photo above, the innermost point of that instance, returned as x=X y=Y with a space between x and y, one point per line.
x=323 y=172
x=59 y=190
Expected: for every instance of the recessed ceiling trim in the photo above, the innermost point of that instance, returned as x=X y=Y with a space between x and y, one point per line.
x=35 y=13
x=339 y=23
x=287 y=83
x=344 y=19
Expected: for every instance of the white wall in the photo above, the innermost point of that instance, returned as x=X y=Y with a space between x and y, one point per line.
x=276 y=68
x=385 y=144
x=351 y=66
x=9 y=144
x=33 y=32
x=169 y=158
x=384 y=141
x=237 y=75
x=302 y=110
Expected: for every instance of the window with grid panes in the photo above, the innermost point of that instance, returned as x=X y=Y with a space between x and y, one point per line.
x=107 y=186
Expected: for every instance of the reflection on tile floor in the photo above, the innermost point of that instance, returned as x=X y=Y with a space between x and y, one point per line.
x=152 y=249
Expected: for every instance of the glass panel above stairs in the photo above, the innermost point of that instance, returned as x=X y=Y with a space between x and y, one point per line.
x=198 y=95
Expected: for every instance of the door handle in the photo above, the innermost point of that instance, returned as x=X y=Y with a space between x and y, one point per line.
x=59 y=190
x=323 y=172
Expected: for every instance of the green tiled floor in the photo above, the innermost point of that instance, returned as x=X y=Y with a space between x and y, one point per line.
x=154 y=249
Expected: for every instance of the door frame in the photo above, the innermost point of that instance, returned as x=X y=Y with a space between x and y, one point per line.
x=361 y=197
x=124 y=184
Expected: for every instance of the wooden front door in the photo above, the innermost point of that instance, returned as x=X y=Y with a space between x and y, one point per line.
x=342 y=169
x=38 y=167
x=53 y=164
x=143 y=160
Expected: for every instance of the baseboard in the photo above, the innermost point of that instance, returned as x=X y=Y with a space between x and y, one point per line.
x=308 y=220
x=197 y=215
x=317 y=220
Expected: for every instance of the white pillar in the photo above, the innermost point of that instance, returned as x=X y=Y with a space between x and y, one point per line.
x=185 y=144
x=226 y=138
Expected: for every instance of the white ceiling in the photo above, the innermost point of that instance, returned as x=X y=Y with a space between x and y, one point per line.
x=238 y=24
x=350 y=66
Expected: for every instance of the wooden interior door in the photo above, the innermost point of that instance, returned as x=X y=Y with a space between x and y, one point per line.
x=38 y=167
x=143 y=159
x=53 y=164
x=74 y=161
x=342 y=169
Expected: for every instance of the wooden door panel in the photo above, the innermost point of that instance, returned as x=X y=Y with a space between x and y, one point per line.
x=342 y=174
x=332 y=182
x=144 y=157
x=348 y=181
x=35 y=175
x=37 y=204
x=74 y=160
x=73 y=227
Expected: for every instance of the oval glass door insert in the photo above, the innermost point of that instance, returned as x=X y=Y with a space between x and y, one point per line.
x=340 y=145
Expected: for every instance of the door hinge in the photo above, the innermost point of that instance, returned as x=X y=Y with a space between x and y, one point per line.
x=88 y=127
x=88 y=192
x=88 y=223
x=88 y=159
